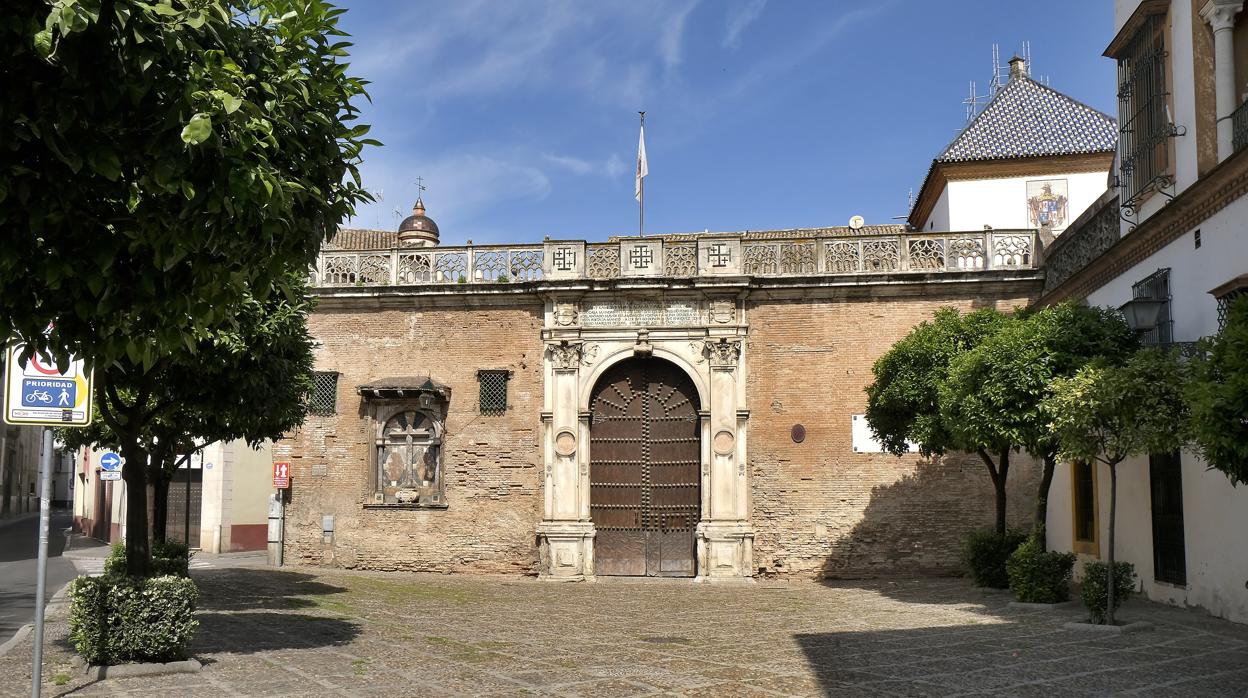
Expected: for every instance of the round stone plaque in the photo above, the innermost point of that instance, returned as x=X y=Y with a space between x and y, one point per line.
x=798 y=433
x=723 y=443
x=565 y=443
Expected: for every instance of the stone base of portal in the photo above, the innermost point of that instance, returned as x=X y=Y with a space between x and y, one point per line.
x=725 y=550
x=566 y=550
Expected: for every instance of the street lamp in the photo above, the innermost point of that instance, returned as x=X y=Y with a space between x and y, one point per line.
x=1142 y=313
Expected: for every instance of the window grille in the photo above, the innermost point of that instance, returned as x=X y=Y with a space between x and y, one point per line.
x=324 y=396
x=1085 y=501
x=493 y=391
x=1142 y=110
x=1156 y=287
x=1224 y=305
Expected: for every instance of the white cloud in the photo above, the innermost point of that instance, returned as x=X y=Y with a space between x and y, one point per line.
x=743 y=17
x=612 y=166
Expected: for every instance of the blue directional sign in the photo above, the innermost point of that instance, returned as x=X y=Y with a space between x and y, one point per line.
x=110 y=461
x=49 y=392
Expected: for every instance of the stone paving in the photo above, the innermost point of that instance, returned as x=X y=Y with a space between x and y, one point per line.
x=302 y=632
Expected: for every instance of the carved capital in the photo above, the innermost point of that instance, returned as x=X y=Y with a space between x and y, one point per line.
x=1220 y=14
x=723 y=352
x=565 y=355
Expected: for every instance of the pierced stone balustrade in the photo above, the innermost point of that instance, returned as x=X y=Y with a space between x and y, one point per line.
x=681 y=256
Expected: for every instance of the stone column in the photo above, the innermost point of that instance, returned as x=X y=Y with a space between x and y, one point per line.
x=566 y=532
x=725 y=536
x=1220 y=14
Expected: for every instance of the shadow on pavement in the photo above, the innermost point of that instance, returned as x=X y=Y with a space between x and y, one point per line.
x=249 y=632
x=240 y=589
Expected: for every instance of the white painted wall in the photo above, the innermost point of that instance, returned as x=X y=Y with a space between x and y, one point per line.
x=938 y=219
x=1002 y=203
x=1215 y=512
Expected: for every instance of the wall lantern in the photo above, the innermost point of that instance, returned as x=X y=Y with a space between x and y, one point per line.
x=1142 y=313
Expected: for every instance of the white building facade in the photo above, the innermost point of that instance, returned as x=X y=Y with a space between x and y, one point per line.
x=1173 y=230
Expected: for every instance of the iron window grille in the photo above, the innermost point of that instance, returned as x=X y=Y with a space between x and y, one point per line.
x=324 y=397
x=1239 y=128
x=1145 y=119
x=493 y=386
x=1166 y=493
x=1224 y=305
x=1156 y=287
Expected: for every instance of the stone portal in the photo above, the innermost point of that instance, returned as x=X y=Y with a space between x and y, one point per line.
x=644 y=497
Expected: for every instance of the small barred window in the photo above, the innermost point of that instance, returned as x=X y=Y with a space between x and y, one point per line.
x=324 y=396
x=493 y=391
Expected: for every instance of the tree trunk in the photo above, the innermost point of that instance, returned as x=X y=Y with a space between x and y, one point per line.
x=998 y=475
x=138 y=551
x=160 y=508
x=1111 y=579
x=1042 y=502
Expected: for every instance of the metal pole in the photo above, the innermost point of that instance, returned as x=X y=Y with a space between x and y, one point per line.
x=41 y=576
x=186 y=515
x=641 y=222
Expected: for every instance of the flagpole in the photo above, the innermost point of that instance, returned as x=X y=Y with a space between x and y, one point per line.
x=641 y=221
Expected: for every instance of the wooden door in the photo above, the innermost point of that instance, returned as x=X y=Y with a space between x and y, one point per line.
x=644 y=475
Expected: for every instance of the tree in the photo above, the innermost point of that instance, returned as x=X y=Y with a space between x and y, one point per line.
x=1110 y=413
x=994 y=393
x=249 y=383
x=903 y=403
x=1218 y=394
x=162 y=162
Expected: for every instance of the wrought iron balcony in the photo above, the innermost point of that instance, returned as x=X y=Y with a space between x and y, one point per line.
x=1239 y=128
x=1094 y=232
x=815 y=253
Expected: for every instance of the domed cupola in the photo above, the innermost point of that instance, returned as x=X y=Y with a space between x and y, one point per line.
x=418 y=230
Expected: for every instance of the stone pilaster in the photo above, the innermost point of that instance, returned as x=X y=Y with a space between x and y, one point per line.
x=1220 y=14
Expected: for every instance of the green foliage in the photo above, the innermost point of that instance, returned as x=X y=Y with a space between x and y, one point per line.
x=1110 y=413
x=1095 y=593
x=903 y=402
x=163 y=161
x=169 y=558
x=1218 y=395
x=993 y=396
x=985 y=553
x=1037 y=576
x=113 y=621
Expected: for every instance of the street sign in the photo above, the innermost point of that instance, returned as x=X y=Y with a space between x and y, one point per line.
x=110 y=461
x=106 y=475
x=40 y=393
x=281 y=475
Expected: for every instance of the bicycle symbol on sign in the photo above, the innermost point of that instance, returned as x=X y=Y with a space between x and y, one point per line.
x=41 y=396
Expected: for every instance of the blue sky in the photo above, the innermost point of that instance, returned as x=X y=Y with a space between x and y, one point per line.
x=521 y=115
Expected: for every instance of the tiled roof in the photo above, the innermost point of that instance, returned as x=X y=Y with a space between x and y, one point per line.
x=361 y=239
x=1027 y=119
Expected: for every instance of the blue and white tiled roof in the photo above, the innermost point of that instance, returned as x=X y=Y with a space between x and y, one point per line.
x=1027 y=119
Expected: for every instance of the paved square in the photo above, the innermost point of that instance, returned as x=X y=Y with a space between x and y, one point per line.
x=334 y=633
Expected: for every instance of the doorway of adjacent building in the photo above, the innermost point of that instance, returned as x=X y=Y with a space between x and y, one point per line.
x=1169 y=547
x=645 y=483
x=184 y=503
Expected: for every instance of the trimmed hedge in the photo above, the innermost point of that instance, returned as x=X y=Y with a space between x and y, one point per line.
x=1095 y=592
x=168 y=558
x=984 y=553
x=117 y=620
x=1037 y=576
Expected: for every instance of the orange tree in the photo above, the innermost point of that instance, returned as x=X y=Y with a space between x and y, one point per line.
x=160 y=163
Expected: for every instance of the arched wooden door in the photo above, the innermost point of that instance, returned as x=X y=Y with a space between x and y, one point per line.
x=644 y=495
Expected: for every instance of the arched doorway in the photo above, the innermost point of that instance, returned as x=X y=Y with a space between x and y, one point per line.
x=645 y=483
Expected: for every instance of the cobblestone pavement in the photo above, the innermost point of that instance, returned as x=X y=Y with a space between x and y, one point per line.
x=332 y=633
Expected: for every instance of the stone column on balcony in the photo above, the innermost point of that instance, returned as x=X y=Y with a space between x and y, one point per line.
x=1220 y=14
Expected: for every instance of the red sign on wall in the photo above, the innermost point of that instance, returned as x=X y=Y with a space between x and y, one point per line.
x=281 y=475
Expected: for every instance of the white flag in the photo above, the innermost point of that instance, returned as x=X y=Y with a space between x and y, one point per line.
x=642 y=168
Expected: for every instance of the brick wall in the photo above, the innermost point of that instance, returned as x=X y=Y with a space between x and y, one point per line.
x=491 y=464
x=819 y=509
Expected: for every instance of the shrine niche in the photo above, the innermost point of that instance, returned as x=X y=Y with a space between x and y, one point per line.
x=408 y=420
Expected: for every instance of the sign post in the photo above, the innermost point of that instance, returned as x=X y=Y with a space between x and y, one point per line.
x=277 y=511
x=39 y=393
